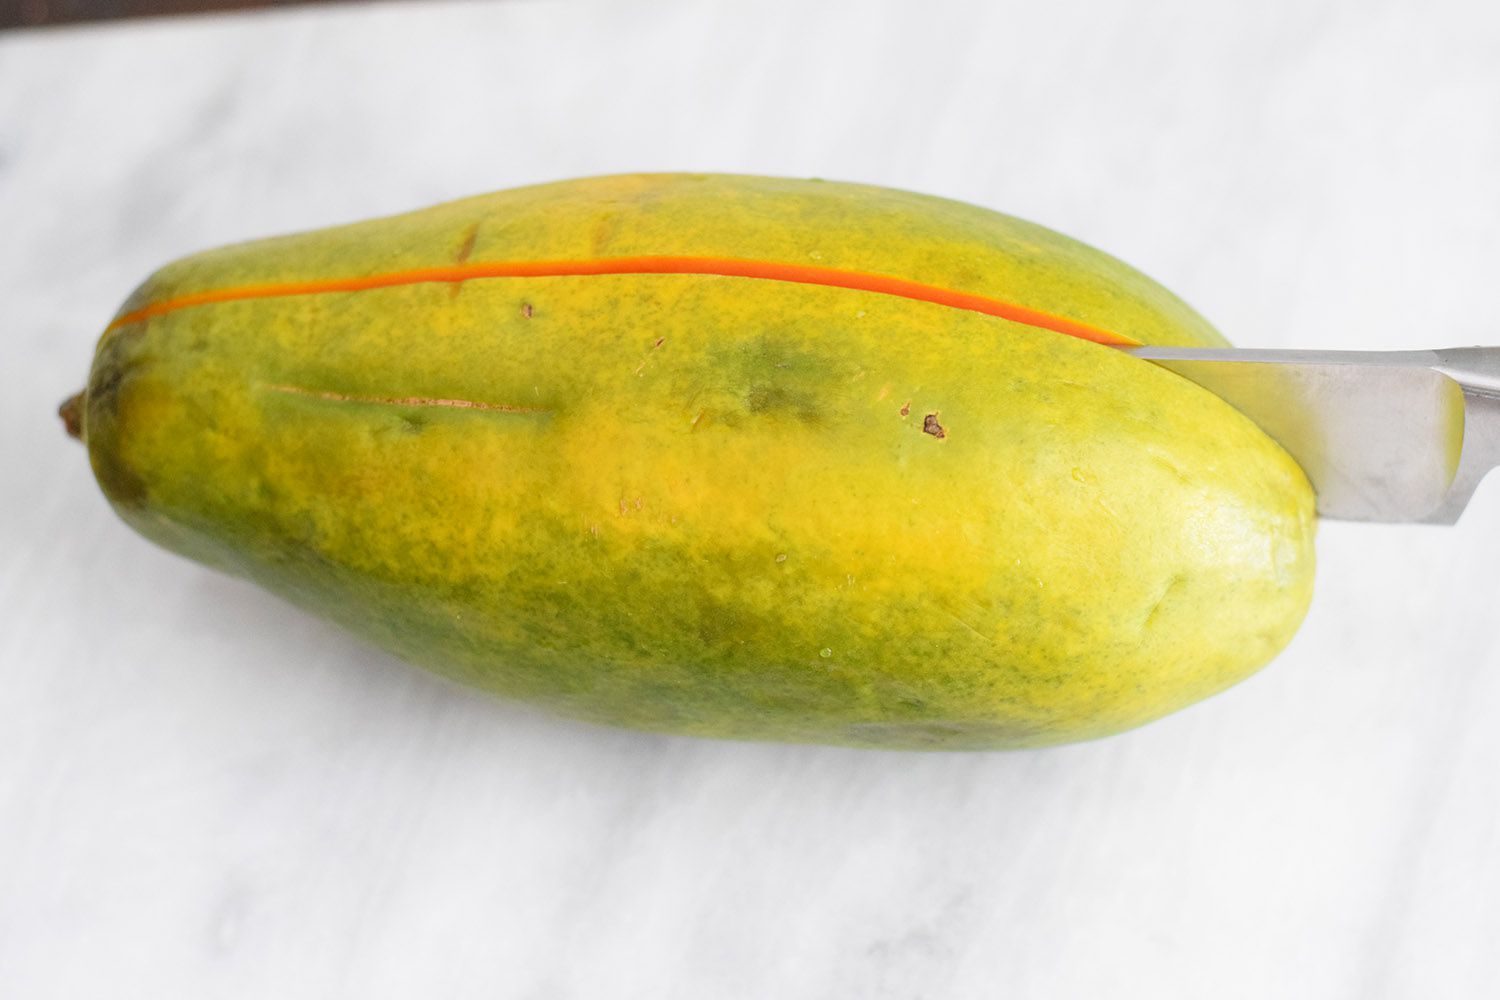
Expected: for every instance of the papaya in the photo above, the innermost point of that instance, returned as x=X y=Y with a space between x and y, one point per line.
x=726 y=456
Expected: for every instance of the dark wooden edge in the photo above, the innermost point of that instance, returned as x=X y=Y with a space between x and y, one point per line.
x=43 y=13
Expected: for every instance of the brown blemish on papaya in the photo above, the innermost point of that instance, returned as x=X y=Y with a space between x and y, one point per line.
x=659 y=342
x=467 y=246
x=604 y=231
x=931 y=426
x=526 y=310
x=456 y=404
x=71 y=412
x=906 y=408
x=462 y=256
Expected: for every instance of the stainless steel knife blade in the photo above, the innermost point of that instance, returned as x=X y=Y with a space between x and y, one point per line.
x=1382 y=435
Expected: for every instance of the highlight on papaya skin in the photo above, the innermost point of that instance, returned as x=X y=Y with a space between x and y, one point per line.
x=898 y=527
x=728 y=267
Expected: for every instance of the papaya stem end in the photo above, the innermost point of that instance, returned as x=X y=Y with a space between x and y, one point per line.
x=71 y=412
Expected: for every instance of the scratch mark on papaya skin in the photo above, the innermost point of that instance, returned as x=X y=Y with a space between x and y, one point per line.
x=465 y=249
x=954 y=615
x=723 y=267
x=1173 y=585
x=453 y=404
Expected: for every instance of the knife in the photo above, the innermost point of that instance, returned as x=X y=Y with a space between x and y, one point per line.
x=1382 y=435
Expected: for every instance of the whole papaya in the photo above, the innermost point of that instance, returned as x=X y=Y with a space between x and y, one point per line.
x=720 y=455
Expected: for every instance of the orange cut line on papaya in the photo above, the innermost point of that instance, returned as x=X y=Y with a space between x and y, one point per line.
x=727 y=267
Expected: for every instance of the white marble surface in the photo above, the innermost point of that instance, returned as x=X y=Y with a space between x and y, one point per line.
x=204 y=793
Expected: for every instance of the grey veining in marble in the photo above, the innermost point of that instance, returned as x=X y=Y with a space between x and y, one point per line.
x=204 y=793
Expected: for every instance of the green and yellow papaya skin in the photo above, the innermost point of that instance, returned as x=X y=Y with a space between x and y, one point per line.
x=727 y=456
